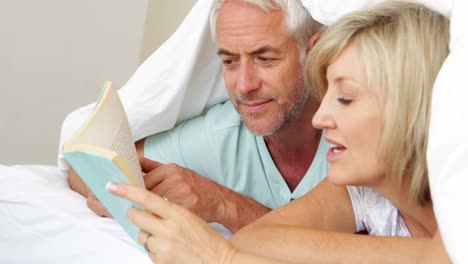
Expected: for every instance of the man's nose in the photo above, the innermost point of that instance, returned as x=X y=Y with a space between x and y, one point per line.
x=248 y=79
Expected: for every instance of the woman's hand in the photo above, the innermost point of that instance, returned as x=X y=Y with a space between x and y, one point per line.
x=170 y=233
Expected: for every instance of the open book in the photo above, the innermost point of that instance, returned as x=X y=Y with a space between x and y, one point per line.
x=103 y=151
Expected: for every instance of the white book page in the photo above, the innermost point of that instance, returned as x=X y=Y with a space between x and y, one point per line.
x=108 y=128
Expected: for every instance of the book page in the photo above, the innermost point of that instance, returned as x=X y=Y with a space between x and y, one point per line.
x=108 y=128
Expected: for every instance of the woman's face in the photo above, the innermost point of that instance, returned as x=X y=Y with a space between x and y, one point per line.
x=351 y=117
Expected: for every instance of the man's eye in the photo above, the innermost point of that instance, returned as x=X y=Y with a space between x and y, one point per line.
x=344 y=101
x=265 y=59
x=227 y=62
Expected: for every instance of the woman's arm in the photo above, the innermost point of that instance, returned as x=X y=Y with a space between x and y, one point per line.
x=292 y=230
x=177 y=234
x=320 y=227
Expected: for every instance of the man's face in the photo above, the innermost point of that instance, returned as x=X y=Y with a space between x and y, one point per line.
x=261 y=66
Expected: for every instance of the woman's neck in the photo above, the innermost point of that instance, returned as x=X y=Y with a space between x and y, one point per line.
x=420 y=220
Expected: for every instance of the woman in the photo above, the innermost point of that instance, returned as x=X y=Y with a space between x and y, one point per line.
x=374 y=70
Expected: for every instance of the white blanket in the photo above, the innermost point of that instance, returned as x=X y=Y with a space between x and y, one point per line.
x=44 y=222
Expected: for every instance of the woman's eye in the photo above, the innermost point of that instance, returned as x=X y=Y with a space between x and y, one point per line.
x=344 y=101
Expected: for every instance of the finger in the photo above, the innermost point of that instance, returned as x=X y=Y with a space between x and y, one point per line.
x=162 y=190
x=152 y=241
x=92 y=196
x=151 y=202
x=153 y=256
x=154 y=178
x=146 y=221
x=144 y=239
x=148 y=165
x=97 y=207
x=142 y=236
x=89 y=193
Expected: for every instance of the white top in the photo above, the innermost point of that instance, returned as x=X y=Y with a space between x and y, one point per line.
x=374 y=213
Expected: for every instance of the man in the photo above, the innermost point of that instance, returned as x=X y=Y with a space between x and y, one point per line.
x=258 y=150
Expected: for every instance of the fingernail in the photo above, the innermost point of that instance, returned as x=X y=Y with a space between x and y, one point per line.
x=110 y=186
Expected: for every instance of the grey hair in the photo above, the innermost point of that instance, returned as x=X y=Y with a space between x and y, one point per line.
x=299 y=23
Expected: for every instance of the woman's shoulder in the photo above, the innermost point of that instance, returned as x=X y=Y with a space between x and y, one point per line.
x=375 y=213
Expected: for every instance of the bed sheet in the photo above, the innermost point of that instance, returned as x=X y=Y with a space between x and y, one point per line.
x=43 y=221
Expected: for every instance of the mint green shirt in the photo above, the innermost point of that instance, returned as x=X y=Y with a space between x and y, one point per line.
x=220 y=147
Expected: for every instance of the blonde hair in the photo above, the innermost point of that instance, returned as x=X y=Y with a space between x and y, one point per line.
x=402 y=46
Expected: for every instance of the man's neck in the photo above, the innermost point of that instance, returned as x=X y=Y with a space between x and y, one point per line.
x=293 y=147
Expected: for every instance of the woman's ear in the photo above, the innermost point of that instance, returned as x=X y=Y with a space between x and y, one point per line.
x=313 y=40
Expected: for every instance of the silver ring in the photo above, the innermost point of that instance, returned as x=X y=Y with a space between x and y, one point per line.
x=145 y=242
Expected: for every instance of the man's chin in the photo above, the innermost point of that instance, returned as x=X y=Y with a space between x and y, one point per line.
x=261 y=124
x=261 y=129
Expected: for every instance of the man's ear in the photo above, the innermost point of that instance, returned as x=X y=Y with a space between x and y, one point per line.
x=313 y=40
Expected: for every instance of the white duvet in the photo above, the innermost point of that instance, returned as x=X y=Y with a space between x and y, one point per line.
x=43 y=221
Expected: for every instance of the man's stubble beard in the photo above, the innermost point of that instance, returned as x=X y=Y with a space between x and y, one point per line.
x=287 y=114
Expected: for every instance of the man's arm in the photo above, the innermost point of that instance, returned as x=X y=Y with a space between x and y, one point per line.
x=79 y=186
x=76 y=183
x=206 y=198
x=319 y=228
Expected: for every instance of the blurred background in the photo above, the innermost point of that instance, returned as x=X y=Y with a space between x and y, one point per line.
x=55 y=56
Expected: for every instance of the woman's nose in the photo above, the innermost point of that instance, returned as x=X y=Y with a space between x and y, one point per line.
x=323 y=118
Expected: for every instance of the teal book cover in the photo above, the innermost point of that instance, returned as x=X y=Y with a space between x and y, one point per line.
x=97 y=171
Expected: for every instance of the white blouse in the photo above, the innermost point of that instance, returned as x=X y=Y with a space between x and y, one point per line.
x=375 y=214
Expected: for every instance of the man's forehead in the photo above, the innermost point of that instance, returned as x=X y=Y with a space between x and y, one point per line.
x=238 y=17
x=253 y=45
x=248 y=28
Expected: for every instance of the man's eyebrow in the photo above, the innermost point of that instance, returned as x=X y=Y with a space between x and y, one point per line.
x=264 y=49
x=257 y=51
x=224 y=52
